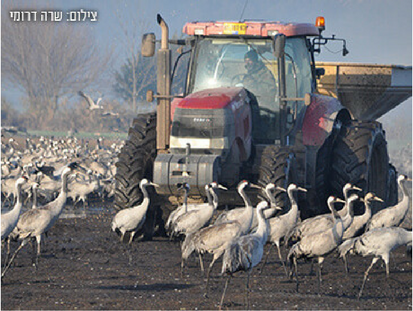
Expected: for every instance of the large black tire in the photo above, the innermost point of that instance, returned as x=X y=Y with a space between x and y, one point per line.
x=277 y=164
x=135 y=162
x=359 y=156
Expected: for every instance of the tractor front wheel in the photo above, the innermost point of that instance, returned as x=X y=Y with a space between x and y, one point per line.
x=359 y=156
x=135 y=162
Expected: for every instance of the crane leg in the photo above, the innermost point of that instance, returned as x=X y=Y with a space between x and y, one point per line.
x=281 y=259
x=12 y=258
x=366 y=275
x=247 y=289
x=345 y=264
x=201 y=263
x=296 y=273
x=223 y=293
x=265 y=259
x=7 y=242
x=208 y=274
x=319 y=278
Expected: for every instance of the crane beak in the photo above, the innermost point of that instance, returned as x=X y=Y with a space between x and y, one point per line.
x=277 y=207
x=356 y=188
x=222 y=187
x=280 y=189
x=255 y=186
x=153 y=184
x=303 y=189
x=378 y=199
x=340 y=200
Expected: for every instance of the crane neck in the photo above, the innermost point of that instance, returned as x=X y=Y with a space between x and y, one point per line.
x=19 y=201
x=246 y=199
x=185 y=203
x=34 y=193
x=262 y=229
x=404 y=189
x=146 y=199
x=293 y=200
x=212 y=198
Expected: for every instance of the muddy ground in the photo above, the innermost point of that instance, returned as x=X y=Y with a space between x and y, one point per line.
x=83 y=266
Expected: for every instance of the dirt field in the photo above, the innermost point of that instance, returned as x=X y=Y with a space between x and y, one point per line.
x=83 y=266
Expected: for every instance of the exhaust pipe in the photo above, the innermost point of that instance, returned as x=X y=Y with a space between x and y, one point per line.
x=163 y=124
x=165 y=32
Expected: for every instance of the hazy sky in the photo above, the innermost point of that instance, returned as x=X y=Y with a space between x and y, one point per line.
x=376 y=31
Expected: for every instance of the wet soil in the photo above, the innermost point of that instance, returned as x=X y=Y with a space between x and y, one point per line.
x=84 y=266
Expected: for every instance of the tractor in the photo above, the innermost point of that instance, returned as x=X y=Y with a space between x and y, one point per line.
x=309 y=123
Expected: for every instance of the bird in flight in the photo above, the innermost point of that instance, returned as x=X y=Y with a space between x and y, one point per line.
x=92 y=104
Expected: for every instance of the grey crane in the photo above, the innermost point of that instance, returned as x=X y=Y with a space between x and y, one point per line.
x=185 y=207
x=198 y=218
x=10 y=218
x=233 y=214
x=92 y=104
x=321 y=222
x=245 y=252
x=360 y=221
x=320 y=244
x=214 y=239
x=132 y=219
x=346 y=192
x=392 y=216
x=35 y=222
x=280 y=226
x=182 y=208
x=378 y=242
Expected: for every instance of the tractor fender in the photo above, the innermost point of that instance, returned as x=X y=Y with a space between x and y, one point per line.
x=319 y=119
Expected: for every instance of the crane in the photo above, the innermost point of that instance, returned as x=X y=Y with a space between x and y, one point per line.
x=321 y=222
x=379 y=242
x=346 y=192
x=236 y=212
x=214 y=239
x=92 y=104
x=10 y=218
x=185 y=207
x=392 y=216
x=320 y=244
x=198 y=218
x=281 y=225
x=132 y=219
x=360 y=221
x=35 y=222
x=245 y=252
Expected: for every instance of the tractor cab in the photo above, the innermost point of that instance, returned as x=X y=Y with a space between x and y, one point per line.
x=229 y=54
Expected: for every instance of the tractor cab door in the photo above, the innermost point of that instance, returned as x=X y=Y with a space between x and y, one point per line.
x=222 y=62
x=298 y=77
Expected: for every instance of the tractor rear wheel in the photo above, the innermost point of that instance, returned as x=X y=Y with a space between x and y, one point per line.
x=359 y=156
x=277 y=167
x=135 y=162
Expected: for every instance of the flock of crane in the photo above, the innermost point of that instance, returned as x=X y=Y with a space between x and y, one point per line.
x=237 y=235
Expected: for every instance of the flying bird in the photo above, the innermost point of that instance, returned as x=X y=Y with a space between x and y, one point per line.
x=92 y=104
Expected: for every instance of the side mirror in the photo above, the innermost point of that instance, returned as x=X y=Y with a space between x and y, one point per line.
x=149 y=96
x=148 y=45
x=279 y=45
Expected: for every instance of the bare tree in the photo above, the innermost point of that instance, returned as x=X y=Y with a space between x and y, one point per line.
x=48 y=60
x=133 y=25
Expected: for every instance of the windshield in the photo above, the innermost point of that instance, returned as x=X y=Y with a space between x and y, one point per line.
x=219 y=62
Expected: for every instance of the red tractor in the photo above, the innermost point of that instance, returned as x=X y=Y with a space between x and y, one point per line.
x=256 y=107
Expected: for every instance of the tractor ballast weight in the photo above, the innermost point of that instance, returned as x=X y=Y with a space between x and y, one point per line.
x=220 y=130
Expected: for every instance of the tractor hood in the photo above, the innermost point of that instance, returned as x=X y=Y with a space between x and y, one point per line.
x=218 y=98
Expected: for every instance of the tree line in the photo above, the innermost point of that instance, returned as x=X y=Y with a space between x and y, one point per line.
x=50 y=62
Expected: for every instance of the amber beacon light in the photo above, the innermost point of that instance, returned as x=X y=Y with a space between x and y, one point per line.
x=320 y=23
